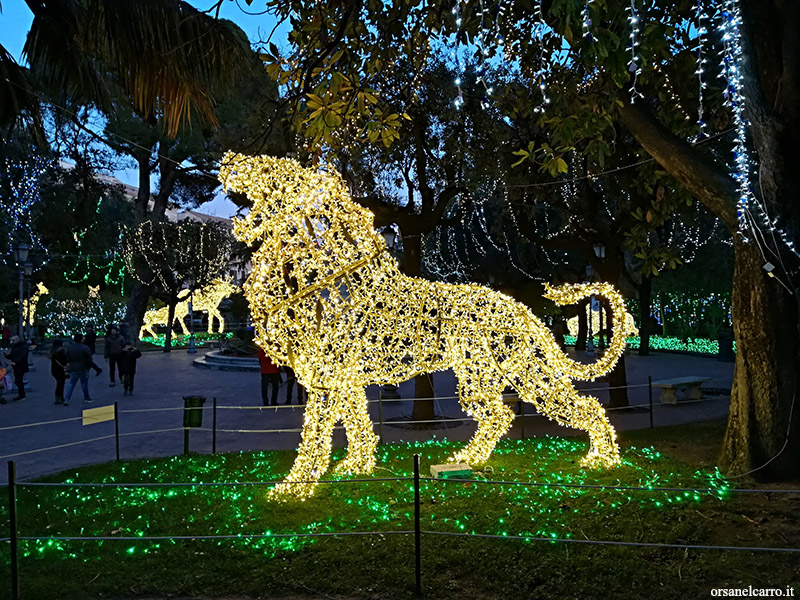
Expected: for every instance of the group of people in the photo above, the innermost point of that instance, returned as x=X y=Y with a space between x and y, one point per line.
x=271 y=378
x=73 y=362
x=76 y=360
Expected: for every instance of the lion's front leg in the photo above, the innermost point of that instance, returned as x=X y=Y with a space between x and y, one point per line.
x=361 y=440
x=314 y=453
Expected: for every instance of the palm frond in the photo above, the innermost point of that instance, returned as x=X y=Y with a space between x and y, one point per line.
x=169 y=58
x=18 y=102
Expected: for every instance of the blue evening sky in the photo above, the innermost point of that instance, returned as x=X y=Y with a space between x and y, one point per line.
x=15 y=22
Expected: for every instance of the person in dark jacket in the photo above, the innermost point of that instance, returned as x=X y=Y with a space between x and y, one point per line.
x=79 y=361
x=127 y=361
x=291 y=380
x=18 y=355
x=270 y=375
x=58 y=368
x=113 y=349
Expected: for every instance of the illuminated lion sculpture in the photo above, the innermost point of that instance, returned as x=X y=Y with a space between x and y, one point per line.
x=328 y=300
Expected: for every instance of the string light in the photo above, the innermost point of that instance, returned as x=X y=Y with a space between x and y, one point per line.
x=458 y=12
x=328 y=300
x=700 y=18
x=22 y=179
x=66 y=316
x=633 y=64
x=541 y=28
x=524 y=510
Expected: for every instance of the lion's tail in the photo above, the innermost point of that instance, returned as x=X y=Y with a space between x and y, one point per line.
x=572 y=293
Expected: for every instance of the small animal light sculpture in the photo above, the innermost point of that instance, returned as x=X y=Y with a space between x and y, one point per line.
x=207 y=300
x=30 y=304
x=328 y=300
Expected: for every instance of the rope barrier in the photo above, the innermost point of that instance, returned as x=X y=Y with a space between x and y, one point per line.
x=608 y=487
x=210 y=483
x=105 y=437
x=254 y=536
x=39 y=423
x=613 y=543
x=152 y=431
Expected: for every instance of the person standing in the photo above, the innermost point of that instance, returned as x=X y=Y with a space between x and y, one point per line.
x=270 y=375
x=113 y=350
x=79 y=361
x=5 y=367
x=127 y=360
x=291 y=379
x=18 y=355
x=58 y=368
x=6 y=336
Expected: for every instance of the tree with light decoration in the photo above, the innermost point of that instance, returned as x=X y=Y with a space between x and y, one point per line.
x=650 y=68
x=177 y=259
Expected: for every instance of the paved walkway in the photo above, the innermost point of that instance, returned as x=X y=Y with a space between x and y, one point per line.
x=162 y=380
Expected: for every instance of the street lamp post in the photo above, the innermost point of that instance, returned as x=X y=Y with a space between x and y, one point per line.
x=600 y=253
x=21 y=252
x=28 y=268
x=191 y=349
x=590 y=337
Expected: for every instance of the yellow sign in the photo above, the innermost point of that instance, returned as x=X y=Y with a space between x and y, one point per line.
x=98 y=415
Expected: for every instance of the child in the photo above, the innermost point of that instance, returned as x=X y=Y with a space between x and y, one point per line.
x=58 y=368
x=127 y=365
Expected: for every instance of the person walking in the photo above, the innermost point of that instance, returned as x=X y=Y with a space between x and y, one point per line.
x=79 y=361
x=291 y=379
x=270 y=375
x=18 y=355
x=113 y=349
x=127 y=360
x=90 y=339
x=58 y=368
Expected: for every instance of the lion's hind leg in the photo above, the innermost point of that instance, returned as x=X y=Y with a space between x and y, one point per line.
x=559 y=401
x=482 y=398
x=361 y=440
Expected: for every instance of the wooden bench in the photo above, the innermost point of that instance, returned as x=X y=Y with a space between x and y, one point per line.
x=692 y=384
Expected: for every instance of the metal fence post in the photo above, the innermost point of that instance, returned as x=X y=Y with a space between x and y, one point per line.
x=214 y=428
x=116 y=427
x=380 y=416
x=650 y=397
x=12 y=526
x=417 y=530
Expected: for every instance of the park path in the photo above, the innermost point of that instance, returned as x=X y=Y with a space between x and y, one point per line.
x=162 y=380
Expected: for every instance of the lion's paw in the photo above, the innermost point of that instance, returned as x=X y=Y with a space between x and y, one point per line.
x=596 y=460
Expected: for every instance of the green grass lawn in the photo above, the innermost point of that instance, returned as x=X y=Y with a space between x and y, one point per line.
x=382 y=566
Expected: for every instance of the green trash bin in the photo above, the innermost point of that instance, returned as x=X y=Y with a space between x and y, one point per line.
x=193 y=411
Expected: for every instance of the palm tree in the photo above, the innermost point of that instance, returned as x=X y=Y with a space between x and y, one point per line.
x=165 y=55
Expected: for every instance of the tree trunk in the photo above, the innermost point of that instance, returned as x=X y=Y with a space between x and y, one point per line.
x=137 y=306
x=423 y=410
x=645 y=302
x=765 y=323
x=617 y=383
x=583 y=326
x=170 y=320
